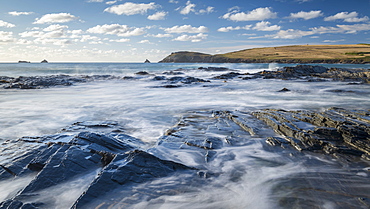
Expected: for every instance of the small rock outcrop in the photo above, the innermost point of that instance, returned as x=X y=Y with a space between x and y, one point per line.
x=146 y=61
x=334 y=131
x=44 y=61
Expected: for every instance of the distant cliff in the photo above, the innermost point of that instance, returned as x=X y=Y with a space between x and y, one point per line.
x=355 y=54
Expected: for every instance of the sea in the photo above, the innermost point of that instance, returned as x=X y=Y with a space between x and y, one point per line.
x=147 y=111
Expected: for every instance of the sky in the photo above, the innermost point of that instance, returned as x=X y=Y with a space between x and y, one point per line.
x=132 y=31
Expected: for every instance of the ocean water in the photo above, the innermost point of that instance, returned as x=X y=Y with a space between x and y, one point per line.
x=146 y=112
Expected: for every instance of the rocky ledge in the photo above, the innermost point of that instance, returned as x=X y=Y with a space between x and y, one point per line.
x=103 y=167
x=177 y=78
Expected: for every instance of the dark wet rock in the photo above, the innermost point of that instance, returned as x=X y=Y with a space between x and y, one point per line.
x=215 y=69
x=128 y=78
x=284 y=90
x=187 y=80
x=130 y=168
x=59 y=158
x=173 y=73
x=142 y=73
x=332 y=131
x=37 y=82
x=169 y=86
x=159 y=78
x=316 y=73
x=340 y=91
x=230 y=75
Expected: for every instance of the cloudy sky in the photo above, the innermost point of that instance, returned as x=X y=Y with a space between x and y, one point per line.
x=132 y=31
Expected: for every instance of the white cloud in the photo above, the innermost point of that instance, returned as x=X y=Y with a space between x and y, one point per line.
x=173 y=1
x=42 y=35
x=230 y=28
x=6 y=24
x=33 y=34
x=306 y=15
x=15 y=13
x=55 y=27
x=110 y=2
x=347 y=17
x=76 y=32
x=130 y=8
x=195 y=38
x=57 y=42
x=187 y=9
x=344 y=29
x=302 y=1
x=158 y=16
x=290 y=34
x=161 y=35
x=190 y=7
x=207 y=10
x=86 y=38
x=24 y=41
x=55 y=18
x=186 y=29
x=265 y=26
x=333 y=41
x=6 y=37
x=257 y=14
x=123 y=40
x=144 y=42
x=116 y=29
x=90 y=1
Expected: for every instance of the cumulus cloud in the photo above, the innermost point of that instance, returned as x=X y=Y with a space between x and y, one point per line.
x=265 y=26
x=195 y=38
x=144 y=42
x=257 y=14
x=55 y=27
x=345 y=29
x=291 y=34
x=58 y=42
x=116 y=29
x=99 y=1
x=6 y=24
x=207 y=10
x=230 y=28
x=130 y=8
x=158 y=16
x=173 y=1
x=6 y=37
x=166 y=35
x=15 y=13
x=42 y=35
x=55 y=18
x=187 y=9
x=306 y=15
x=347 y=17
x=186 y=29
x=123 y=40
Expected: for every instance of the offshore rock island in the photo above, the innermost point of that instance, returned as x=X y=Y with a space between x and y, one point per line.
x=354 y=54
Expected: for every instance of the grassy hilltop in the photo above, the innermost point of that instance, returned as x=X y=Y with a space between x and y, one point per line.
x=355 y=53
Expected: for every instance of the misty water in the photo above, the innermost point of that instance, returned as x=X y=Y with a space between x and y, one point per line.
x=257 y=176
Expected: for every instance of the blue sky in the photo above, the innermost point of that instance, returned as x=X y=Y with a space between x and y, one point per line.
x=132 y=31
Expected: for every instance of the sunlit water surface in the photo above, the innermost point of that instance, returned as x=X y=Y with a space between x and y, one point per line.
x=146 y=112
